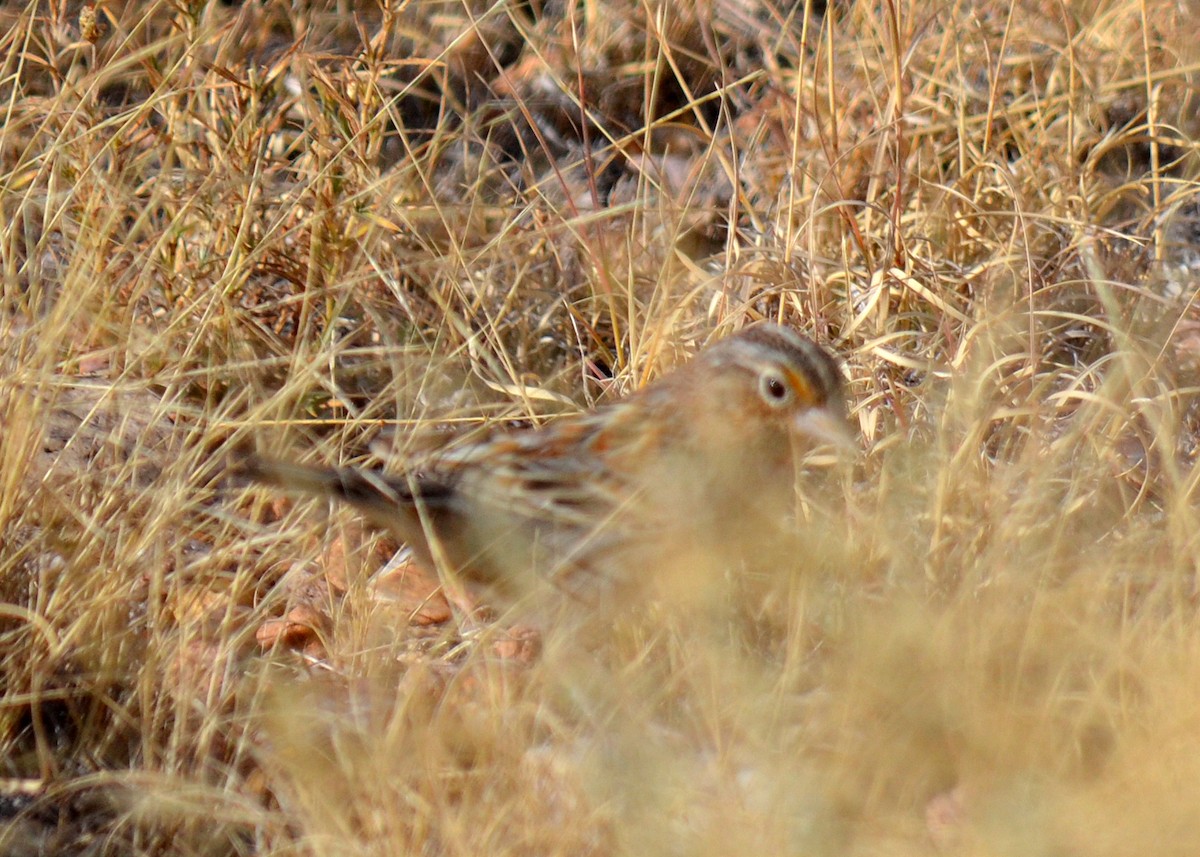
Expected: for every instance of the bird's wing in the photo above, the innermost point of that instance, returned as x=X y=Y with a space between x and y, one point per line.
x=572 y=473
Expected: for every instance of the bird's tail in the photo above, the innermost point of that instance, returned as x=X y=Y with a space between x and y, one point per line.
x=381 y=497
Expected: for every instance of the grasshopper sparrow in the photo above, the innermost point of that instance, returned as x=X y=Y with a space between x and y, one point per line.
x=699 y=464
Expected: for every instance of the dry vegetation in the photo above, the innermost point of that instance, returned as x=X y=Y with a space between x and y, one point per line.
x=295 y=224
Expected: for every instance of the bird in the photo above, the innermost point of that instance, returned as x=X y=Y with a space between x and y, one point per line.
x=696 y=468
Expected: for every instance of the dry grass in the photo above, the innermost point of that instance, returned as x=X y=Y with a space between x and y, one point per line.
x=292 y=224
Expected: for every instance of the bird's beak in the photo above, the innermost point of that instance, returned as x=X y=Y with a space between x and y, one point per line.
x=825 y=426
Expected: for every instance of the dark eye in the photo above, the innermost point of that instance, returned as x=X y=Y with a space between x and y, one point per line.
x=774 y=390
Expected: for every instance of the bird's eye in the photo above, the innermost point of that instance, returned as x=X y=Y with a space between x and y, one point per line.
x=774 y=390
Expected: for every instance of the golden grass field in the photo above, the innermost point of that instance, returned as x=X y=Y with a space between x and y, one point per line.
x=296 y=225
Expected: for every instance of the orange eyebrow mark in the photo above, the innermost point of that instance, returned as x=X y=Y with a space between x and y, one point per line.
x=805 y=391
